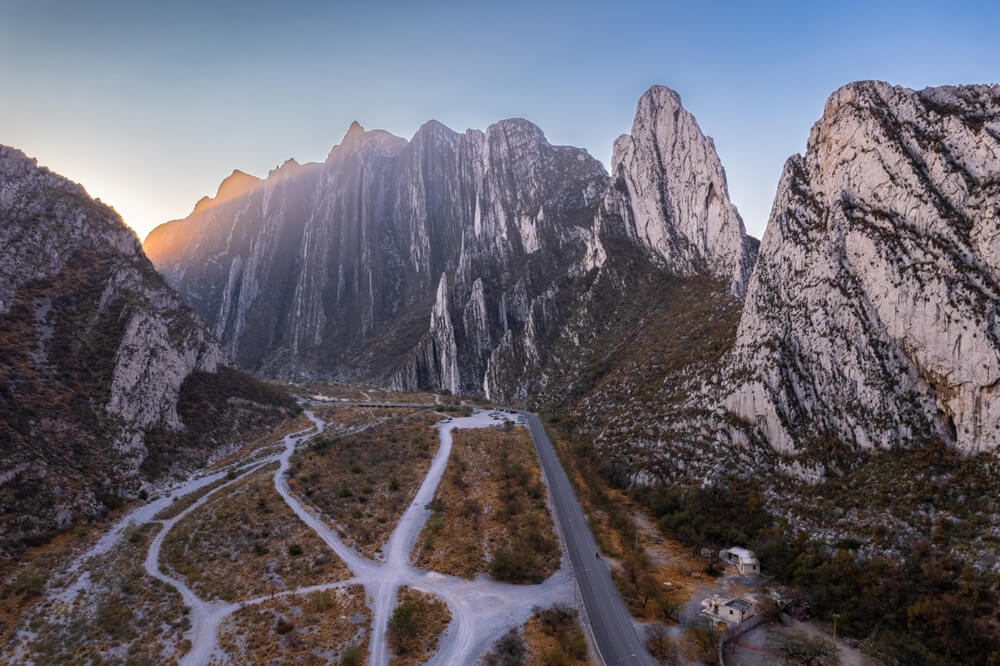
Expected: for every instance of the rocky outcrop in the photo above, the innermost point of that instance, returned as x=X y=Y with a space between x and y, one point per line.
x=669 y=195
x=96 y=348
x=872 y=315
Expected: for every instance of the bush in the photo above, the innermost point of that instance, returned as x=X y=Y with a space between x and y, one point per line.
x=133 y=533
x=514 y=567
x=29 y=583
x=353 y=655
x=510 y=650
x=294 y=550
x=321 y=601
x=283 y=626
x=403 y=624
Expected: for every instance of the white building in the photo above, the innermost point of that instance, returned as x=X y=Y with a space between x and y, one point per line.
x=744 y=560
x=731 y=610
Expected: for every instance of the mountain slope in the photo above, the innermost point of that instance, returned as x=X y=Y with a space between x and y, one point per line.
x=452 y=260
x=669 y=195
x=873 y=315
x=96 y=351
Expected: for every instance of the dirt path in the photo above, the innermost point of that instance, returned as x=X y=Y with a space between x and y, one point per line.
x=482 y=610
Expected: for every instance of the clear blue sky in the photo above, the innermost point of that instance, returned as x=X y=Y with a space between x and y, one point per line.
x=151 y=104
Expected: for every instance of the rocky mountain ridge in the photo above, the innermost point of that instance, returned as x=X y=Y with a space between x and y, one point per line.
x=452 y=260
x=96 y=351
x=873 y=316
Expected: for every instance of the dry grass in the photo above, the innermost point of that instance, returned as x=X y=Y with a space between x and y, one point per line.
x=640 y=567
x=23 y=580
x=490 y=513
x=265 y=445
x=343 y=419
x=122 y=616
x=361 y=482
x=180 y=504
x=554 y=637
x=415 y=625
x=551 y=637
x=361 y=393
x=330 y=626
x=246 y=542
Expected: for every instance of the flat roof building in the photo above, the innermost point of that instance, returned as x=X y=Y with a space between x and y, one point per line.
x=744 y=560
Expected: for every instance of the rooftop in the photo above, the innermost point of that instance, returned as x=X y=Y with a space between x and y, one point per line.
x=744 y=554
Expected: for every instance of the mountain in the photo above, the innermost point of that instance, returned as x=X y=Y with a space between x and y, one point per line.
x=669 y=195
x=451 y=260
x=873 y=316
x=105 y=374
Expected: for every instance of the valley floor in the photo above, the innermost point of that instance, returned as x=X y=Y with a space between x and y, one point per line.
x=214 y=583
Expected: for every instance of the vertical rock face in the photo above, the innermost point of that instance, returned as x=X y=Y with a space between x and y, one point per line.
x=669 y=195
x=452 y=260
x=872 y=315
x=417 y=263
x=95 y=350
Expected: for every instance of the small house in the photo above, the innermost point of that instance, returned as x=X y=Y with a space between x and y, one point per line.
x=744 y=560
x=731 y=610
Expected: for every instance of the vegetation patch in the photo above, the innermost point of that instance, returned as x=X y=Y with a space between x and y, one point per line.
x=554 y=637
x=640 y=566
x=361 y=481
x=184 y=502
x=322 y=627
x=489 y=512
x=239 y=545
x=551 y=637
x=122 y=615
x=924 y=606
x=264 y=445
x=415 y=626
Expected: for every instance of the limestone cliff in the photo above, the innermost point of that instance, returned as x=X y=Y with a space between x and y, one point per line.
x=669 y=195
x=451 y=260
x=873 y=315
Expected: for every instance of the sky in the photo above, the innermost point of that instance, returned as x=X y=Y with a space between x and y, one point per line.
x=151 y=104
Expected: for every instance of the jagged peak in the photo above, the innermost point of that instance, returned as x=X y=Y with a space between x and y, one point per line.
x=510 y=125
x=971 y=102
x=660 y=96
x=358 y=138
x=659 y=115
x=433 y=128
x=355 y=129
x=287 y=168
x=232 y=186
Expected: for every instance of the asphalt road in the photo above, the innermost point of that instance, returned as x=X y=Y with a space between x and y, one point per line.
x=614 y=633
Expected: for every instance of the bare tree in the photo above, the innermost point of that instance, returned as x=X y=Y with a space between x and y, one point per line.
x=659 y=644
x=803 y=649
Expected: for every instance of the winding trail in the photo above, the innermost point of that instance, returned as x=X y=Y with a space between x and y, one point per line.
x=482 y=610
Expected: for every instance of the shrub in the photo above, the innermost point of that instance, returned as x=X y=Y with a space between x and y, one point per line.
x=353 y=655
x=510 y=650
x=403 y=624
x=321 y=600
x=294 y=550
x=134 y=533
x=514 y=567
x=29 y=583
x=283 y=626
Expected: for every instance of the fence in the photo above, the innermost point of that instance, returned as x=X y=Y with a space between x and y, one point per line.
x=737 y=631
